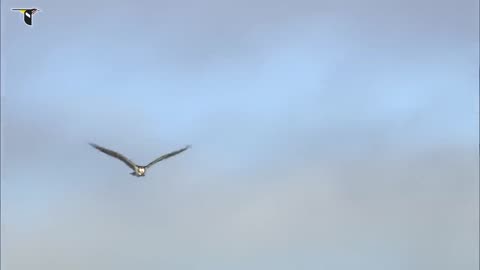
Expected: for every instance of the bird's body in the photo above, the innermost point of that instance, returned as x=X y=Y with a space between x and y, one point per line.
x=138 y=170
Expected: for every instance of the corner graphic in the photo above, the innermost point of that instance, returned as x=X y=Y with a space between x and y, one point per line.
x=27 y=14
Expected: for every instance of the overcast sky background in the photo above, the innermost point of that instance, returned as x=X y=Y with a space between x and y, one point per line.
x=325 y=134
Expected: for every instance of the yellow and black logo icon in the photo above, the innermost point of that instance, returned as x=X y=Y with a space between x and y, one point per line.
x=27 y=14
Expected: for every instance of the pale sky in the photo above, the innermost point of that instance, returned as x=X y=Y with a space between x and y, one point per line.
x=325 y=134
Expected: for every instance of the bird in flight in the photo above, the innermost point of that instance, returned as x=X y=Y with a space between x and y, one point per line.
x=137 y=169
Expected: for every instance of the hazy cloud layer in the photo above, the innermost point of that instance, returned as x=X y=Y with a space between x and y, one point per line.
x=331 y=135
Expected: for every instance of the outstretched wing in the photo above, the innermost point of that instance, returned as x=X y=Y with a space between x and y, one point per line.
x=114 y=154
x=167 y=156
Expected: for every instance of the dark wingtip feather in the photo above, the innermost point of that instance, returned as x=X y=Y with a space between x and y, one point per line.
x=93 y=145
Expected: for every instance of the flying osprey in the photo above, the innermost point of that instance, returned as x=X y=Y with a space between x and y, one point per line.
x=137 y=169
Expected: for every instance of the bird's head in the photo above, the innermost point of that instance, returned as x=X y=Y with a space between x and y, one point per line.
x=141 y=170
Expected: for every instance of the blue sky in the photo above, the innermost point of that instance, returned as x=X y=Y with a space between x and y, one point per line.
x=325 y=135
